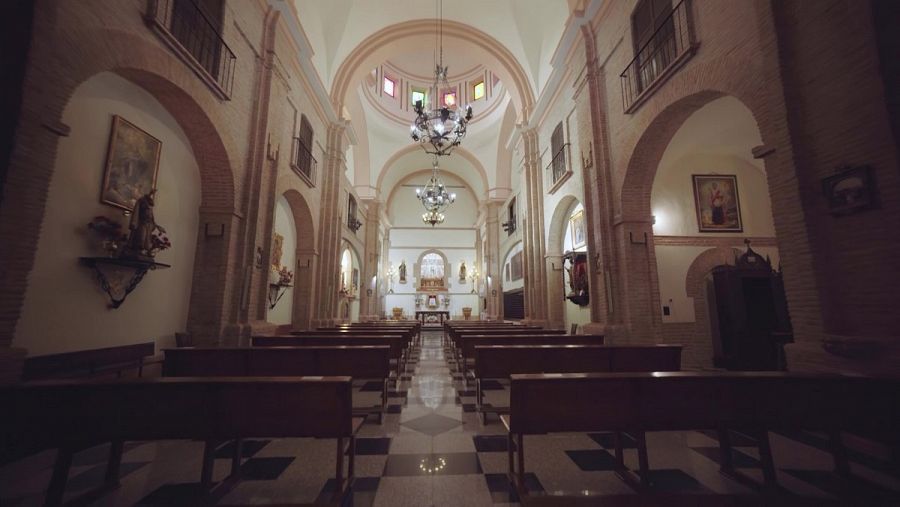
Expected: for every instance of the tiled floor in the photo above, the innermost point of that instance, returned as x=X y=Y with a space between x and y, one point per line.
x=433 y=450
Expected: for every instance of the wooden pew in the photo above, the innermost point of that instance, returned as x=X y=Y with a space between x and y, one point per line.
x=473 y=324
x=73 y=415
x=103 y=363
x=751 y=402
x=465 y=343
x=502 y=361
x=358 y=362
x=454 y=334
x=396 y=343
x=413 y=329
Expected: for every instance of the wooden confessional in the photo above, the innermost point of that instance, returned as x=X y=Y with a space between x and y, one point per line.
x=748 y=313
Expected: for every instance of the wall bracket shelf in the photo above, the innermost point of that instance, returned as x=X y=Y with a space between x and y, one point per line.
x=119 y=287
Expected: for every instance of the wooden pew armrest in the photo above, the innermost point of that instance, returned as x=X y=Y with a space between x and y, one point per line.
x=504 y=418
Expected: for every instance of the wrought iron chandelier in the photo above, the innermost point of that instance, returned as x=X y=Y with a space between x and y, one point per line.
x=440 y=124
x=435 y=197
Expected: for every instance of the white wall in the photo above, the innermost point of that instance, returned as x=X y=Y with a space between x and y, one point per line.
x=65 y=309
x=284 y=225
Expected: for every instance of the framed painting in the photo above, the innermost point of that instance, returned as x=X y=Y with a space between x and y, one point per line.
x=717 y=203
x=576 y=223
x=132 y=163
x=850 y=191
x=507 y=272
x=516 y=268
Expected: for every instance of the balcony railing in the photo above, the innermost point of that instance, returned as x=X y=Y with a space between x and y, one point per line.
x=671 y=43
x=303 y=162
x=195 y=38
x=557 y=166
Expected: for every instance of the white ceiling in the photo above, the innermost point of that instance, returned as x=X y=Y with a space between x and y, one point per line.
x=529 y=29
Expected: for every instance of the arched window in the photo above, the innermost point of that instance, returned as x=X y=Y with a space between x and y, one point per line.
x=303 y=162
x=432 y=271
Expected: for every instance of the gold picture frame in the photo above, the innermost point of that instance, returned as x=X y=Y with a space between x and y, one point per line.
x=717 y=202
x=132 y=164
x=576 y=223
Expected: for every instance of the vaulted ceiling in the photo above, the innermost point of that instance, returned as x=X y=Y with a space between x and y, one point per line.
x=515 y=39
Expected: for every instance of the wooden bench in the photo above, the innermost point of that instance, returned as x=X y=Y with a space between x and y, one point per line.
x=358 y=362
x=396 y=343
x=74 y=415
x=502 y=361
x=413 y=329
x=105 y=362
x=453 y=335
x=465 y=343
x=750 y=402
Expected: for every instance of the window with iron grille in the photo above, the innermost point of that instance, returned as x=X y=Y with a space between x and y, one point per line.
x=510 y=225
x=304 y=163
x=193 y=28
x=558 y=150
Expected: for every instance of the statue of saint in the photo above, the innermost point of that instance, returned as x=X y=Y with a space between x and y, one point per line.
x=462 y=272
x=142 y=226
x=403 y=271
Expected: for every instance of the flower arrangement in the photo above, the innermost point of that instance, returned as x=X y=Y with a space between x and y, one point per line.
x=160 y=241
x=285 y=276
x=111 y=234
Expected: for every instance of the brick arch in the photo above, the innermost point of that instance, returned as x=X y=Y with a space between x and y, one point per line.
x=649 y=149
x=52 y=77
x=556 y=239
x=305 y=260
x=698 y=350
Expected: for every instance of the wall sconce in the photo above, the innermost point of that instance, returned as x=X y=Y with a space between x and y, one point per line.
x=353 y=224
x=509 y=226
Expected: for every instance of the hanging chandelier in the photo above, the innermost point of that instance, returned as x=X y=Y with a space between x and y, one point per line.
x=434 y=197
x=440 y=124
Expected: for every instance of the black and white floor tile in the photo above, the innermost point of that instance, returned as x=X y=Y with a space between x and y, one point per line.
x=432 y=449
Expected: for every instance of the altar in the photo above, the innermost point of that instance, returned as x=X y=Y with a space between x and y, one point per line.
x=436 y=316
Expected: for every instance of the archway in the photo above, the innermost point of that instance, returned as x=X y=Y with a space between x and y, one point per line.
x=565 y=235
x=348 y=300
x=706 y=190
x=304 y=259
x=45 y=97
x=699 y=346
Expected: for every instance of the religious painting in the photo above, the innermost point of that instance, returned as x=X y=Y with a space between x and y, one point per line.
x=354 y=283
x=516 y=270
x=132 y=163
x=576 y=223
x=717 y=203
x=507 y=272
x=277 y=248
x=850 y=190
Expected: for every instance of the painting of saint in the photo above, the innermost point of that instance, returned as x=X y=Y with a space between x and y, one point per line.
x=132 y=163
x=717 y=203
x=576 y=222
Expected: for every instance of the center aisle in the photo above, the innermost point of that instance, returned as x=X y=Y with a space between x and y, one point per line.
x=432 y=446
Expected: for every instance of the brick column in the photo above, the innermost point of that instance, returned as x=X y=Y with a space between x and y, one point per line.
x=608 y=298
x=328 y=275
x=533 y=235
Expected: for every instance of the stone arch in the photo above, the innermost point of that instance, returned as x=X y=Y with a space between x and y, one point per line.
x=47 y=89
x=306 y=259
x=698 y=346
x=371 y=50
x=556 y=311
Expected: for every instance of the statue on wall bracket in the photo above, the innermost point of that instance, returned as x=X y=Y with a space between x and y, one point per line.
x=403 y=271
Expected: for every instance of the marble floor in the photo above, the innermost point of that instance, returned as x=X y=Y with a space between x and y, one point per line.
x=432 y=450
